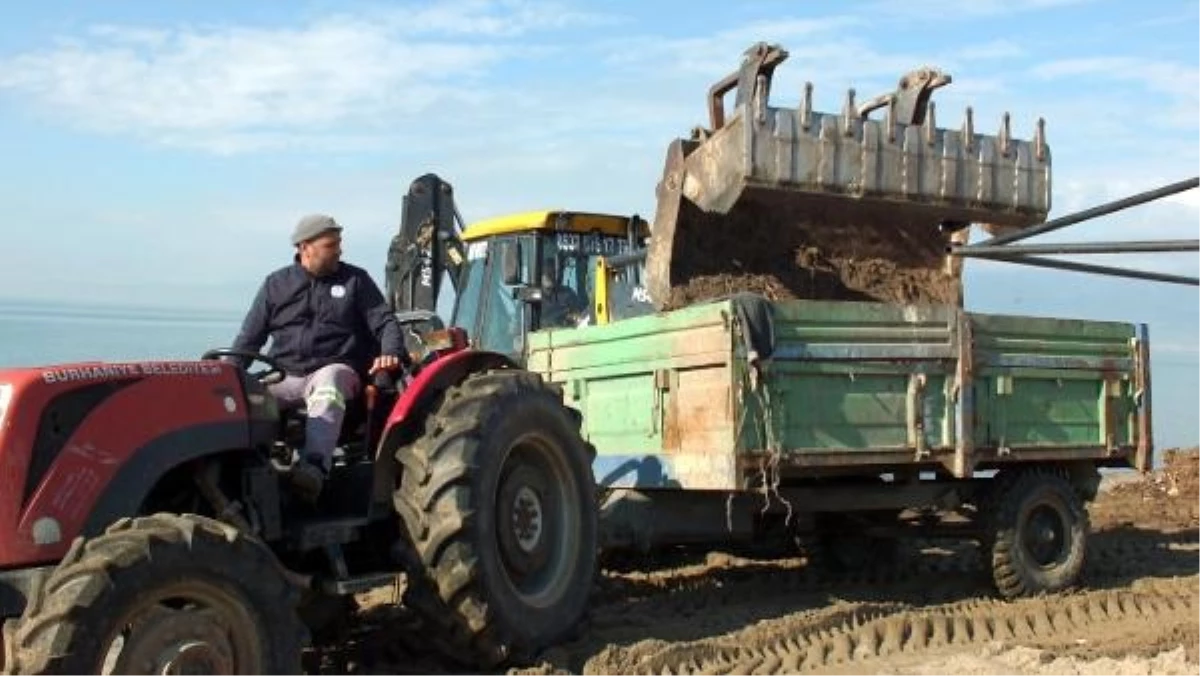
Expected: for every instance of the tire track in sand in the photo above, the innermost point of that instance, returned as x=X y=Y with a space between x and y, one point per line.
x=705 y=609
x=860 y=633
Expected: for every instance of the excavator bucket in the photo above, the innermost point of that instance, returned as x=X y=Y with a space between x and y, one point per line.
x=794 y=203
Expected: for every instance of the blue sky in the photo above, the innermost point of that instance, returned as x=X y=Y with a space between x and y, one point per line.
x=157 y=153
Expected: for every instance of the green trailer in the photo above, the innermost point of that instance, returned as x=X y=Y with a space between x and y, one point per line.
x=850 y=401
x=855 y=424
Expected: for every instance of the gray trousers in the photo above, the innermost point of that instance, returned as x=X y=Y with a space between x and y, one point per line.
x=323 y=393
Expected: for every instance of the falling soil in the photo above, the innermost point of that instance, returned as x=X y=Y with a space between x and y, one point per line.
x=788 y=249
x=1135 y=611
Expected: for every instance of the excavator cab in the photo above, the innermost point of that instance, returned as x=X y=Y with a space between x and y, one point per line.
x=535 y=270
x=502 y=277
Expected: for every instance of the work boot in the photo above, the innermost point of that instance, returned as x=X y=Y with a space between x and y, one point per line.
x=308 y=478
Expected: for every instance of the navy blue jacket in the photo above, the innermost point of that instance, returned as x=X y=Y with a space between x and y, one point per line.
x=316 y=321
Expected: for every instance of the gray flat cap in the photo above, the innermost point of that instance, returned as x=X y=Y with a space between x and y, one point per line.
x=312 y=226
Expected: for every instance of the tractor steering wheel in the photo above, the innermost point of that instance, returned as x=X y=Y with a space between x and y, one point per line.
x=272 y=375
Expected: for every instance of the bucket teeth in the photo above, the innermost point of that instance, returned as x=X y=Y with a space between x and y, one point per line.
x=1004 y=136
x=806 y=106
x=849 y=113
x=1039 y=140
x=930 y=126
x=968 y=130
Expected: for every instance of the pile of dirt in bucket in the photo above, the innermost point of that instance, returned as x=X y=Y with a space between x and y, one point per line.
x=792 y=249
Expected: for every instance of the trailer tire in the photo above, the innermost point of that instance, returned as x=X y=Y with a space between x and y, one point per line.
x=1039 y=534
x=161 y=594
x=499 y=505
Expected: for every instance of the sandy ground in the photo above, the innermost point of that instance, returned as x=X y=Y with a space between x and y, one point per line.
x=1136 y=611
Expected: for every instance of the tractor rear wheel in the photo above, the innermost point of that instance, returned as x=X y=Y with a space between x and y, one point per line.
x=499 y=504
x=164 y=594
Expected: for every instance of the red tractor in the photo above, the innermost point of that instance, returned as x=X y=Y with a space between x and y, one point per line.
x=147 y=526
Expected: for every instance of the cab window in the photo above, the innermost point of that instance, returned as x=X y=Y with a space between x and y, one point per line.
x=502 y=314
x=567 y=276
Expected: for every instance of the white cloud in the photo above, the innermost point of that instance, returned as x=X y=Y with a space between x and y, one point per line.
x=951 y=10
x=423 y=78
x=987 y=51
x=1191 y=199
x=1178 y=83
x=333 y=83
x=1170 y=15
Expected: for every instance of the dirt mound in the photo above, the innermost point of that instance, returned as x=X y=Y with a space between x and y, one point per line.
x=787 y=249
x=1165 y=499
x=1182 y=471
x=1179 y=477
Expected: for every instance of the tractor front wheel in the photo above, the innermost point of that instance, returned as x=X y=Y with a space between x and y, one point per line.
x=164 y=594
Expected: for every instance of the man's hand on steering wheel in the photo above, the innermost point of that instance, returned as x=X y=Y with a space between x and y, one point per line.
x=273 y=374
x=384 y=362
x=382 y=372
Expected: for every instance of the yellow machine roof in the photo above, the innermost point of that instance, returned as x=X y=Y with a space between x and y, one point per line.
x=569 y=221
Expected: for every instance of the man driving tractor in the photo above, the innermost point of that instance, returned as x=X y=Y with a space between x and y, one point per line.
x=330 y=327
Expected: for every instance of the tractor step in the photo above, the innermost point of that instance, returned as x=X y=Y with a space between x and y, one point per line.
x=325 y=532
x=361 y=583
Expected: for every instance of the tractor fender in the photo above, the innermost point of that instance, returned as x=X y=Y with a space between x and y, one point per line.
x=131 y=485
x=405 y=422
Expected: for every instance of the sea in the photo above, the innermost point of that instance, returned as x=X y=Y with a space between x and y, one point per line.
x=42 y=333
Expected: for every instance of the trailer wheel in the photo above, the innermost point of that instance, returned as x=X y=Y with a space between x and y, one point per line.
x=161 y=594
x=499 y=504
x=1039 y=535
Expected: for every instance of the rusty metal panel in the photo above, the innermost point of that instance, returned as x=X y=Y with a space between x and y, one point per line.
x=964 y=411
x=1055 y=382
x=699 y=417
x=852 y=384
x=1143 y=427
x=654 y=392
x=698 y=333
x=860 y=407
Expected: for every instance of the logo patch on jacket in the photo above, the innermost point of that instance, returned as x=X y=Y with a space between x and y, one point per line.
x=337 y=291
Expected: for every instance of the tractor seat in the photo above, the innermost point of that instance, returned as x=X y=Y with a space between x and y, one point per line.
x=354 y=424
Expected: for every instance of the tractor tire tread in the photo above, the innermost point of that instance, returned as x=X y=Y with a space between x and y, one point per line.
x=57 y=628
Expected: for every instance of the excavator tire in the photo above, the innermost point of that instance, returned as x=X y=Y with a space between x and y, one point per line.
x=499 y=504
x=161 y=594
